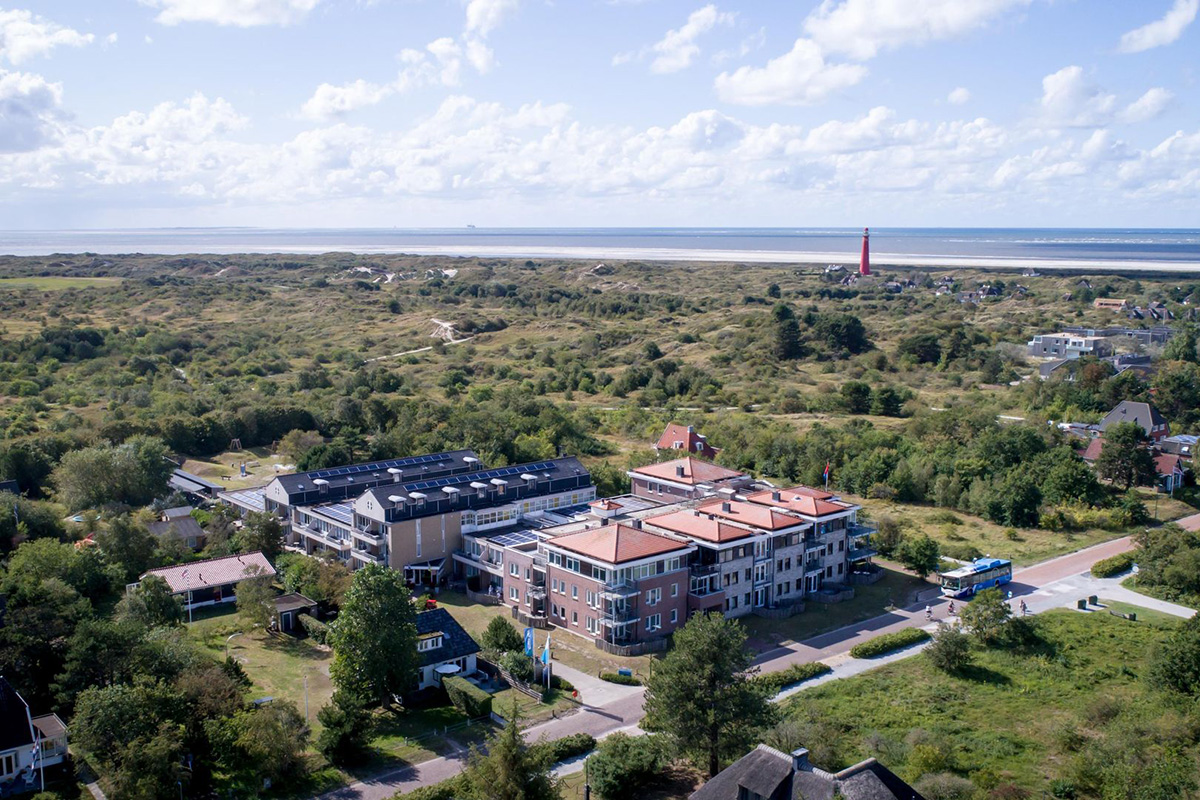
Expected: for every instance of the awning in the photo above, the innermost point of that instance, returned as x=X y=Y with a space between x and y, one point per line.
x=448 y=669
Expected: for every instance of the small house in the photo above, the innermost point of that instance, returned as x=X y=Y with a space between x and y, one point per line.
x=212 y=581
x=28 y=744
x=180 y=524
x=679 y=437
x=288 y=608
x=444 y=647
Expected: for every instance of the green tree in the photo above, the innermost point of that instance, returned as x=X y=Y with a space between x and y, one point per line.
x=345 y=731
x=151 y=604
x=624 y=766
x=1017 y=500
x=273 y=739
x=1124 y=459
x=261 y=532
x=375 y=636
x=128 y=545
x=787 y=344
x=502 y=637
x=921 y=554
x=508 y=769
x=886 y=402
x=701 y=695
x=926 y=348
x=99 y=654
x=1176 y=664
x=1182 y=346
x=986 y=616
x=1070 y=480
x=133 y=473
x=150 y=767
x=256 y=599
x=22 y=519
x=950 y=649
x=856 y=396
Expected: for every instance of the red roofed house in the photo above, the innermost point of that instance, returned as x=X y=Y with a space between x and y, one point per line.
x=213 y=581
x=679 y=437
x=1168 y=466
x=685 y=478
x=619 y=585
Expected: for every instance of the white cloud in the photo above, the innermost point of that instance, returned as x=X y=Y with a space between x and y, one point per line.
x=1148 y=106
x=678 y=48
x=484 y=16
x=239 y=13
x=28 y=111
x=958 y=96
x=1069 y=99
x=862 y=28
x=110 y=40
x=24 y=36
x=799 y=77
x=748 y=45
x=329 y=100
x=1162 y=31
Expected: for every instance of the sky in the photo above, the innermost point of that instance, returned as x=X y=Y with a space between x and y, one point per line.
x=597 y=113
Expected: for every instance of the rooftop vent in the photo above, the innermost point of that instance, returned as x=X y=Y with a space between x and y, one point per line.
x=395 y=473
x=637 y=524
x=727 y=507
x=776 y=496
x=679 y=471
x=800 y=760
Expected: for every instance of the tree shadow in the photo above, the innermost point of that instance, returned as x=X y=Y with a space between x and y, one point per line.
x=980 y=674
x=290 y=646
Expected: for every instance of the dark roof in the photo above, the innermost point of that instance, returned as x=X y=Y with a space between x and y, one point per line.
x=292 y=601
x=14 y=718
x=183 y=527
x=177 y=511
x=353 y=478
x=456 y=642
x=10 y=486
x=770 y=773
x=1144 y=414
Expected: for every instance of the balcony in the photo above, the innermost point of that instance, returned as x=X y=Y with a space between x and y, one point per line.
x=620 y=615
x=860 y=553
x=813 y=565
x=619 y=589
x=367 y=556
x=494 y=567
x=368 y=536
x=701 y=570
x=324 y=538
x=857 y=530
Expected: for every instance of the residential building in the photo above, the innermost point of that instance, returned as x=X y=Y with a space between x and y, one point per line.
x=444 y=647
x=20 y=766
x=721 y=572
x=1145 y=415
x=769 y=774
x=1182 y=445
x=1158 y=334
x=686 y=478
x=1068 y=346
x=680 y=437
x=178 y=523
x=1170 y=472
x=288 y=608
x=619 y=585
x=212 y=581
x=1110 y=304
x=193 y=486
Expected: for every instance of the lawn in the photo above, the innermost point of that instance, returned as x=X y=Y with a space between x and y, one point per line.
x=49 y=284
x=1161 y=593
x=1020 y=717
x=895 y=589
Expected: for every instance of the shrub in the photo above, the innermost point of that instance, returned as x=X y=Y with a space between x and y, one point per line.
x=963 y=551
x=945 y=516
x=945 y=786
x=467 y=697
x=796 y=673
x=562 y=684
x=888 y=642
x=501 y=637
x=950 y=650
x=616 y=677
x=518 y=665
x=624 y=765
x=567 y=747
x=450 y=789
x=318 y=631
x=1108 y=567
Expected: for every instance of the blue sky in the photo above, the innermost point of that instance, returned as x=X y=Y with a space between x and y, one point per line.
x=130 y=113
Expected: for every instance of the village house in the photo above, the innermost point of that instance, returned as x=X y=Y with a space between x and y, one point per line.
x=769 y=774
x=444 y=647
x=1145 y=415
x=178 y=523
x=687 y=478
x=1068 y=346
x=679 y=437
x=28 y=744
x=1110 y=304
x=212 y=581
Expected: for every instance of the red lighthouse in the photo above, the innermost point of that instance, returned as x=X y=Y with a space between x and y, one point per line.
x=864 y=263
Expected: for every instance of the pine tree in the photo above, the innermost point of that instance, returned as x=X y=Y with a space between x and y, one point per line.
x=508 y=769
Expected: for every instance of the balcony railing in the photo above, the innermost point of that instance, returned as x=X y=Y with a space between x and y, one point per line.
x=324 y=538
x=860 y=553
x=366 y=555
x=812 y=565
x=620 y=589
x=624 y=614
x=858 y=529
x=700 y=570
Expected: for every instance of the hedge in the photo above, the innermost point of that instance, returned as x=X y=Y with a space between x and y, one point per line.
x=1108 y=567
x=467 y=697
x=562 y=684
x=888 y=642
x=449 y=789
x=567 y=747
x=796 y=673
x=616 y=677
x=318 y=631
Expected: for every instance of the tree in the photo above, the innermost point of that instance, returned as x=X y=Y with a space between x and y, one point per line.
x=623 y=766
x=502 y=637
x=508 y=769
x=1176 y=664
x=128 y=545
x=1070 y=480
x=148 y=768
x=295 y=444
x=701 y=695
x=273 y=738
x=926 y=348
x=774 y=291
x=375 y=636
x=256 y=599
x=99 y=654
x=1182 y=346
x=22 y=519
x=1124 y=459
x=986 y=616
x=886 y=402
x=921 y=554
x=1017 y=500
x=856 y=396
x=151 y=604
x=133 y=473
x=260 y=532
x=950 y=649
x=345 y=732
x=787 y=334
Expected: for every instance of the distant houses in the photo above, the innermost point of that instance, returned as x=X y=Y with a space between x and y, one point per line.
x=1172 y=455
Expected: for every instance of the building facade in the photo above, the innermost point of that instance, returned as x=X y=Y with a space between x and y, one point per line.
x=687 y=478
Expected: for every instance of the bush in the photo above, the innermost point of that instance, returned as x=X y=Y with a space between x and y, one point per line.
x=502 y=637
x=945 y=786
x=616 y=677
x=467 y=697
x=518 y=665
x=562 y=684
x=963 y=551
x=450 y=789
x=796 y=673
x=345 y=732
x=567 y=747
x=1108 y=567
x=318 y=631
x=888 y=642
x=950 y=650
x=624 y=765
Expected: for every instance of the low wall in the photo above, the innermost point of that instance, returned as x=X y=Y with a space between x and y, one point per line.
x=483 y=598
x=827 y=596
x=528 y=621
x=865 y=578
x=780 y=612
x=641 y=648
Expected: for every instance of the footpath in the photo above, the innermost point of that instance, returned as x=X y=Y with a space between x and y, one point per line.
x=1050 y=584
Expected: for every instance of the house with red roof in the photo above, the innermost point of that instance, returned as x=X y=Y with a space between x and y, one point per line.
x=687 y=478
x=212 y=581
x=685 y=437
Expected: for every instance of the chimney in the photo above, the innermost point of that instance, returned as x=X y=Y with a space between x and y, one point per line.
x=679 y=470
x=800 y=760
x=637 y=524
x=776 y=496
x=726 y=507
x=603 y=521
x=691 y=428
x=396 y=473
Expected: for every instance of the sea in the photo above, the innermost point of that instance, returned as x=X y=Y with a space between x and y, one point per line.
x=1168 y=250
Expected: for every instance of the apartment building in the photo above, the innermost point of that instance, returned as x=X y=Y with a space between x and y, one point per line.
x=417 y=526
x=838 y=545
x=687 y=478
x=1068 y=346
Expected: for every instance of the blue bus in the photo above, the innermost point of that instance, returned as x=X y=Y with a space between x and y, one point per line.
x=984 y=573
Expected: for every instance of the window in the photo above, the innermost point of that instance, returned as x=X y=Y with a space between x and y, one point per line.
x=590 y=624
x=781 y=589
x=554 y=584
x=799 y=584
x=591 y=599
x=829 y=572
x=514 y=570
x=528 y=574
x=653 y=622
x=599 y=574
x=779 y=565
x=841 y=545
x=746 y=599
x=839 y=569
x=429 y=643
x=747 y=573
x=574 y=617
x=674 y=590
x=513 y=594
x=574 y=592
x=674 y=615
x=8 y=764
x=653 y=596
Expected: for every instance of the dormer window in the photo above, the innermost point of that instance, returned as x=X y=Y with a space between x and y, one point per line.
x=430 y=641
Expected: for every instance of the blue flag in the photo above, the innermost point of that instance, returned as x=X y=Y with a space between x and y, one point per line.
x=529 y=642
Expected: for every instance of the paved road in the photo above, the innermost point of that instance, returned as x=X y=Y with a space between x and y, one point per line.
x=1050 y=584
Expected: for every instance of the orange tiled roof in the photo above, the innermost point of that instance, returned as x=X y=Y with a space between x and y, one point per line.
x=809 y=502
x=695 y=471
x=756 y=516
x=616 y=544
x=699 y=526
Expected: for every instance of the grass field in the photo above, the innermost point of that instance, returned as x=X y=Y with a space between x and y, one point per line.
x=678 y=782
x=895 y=589
x=1160 y=593
x=50 y=284
x=1011 y=717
